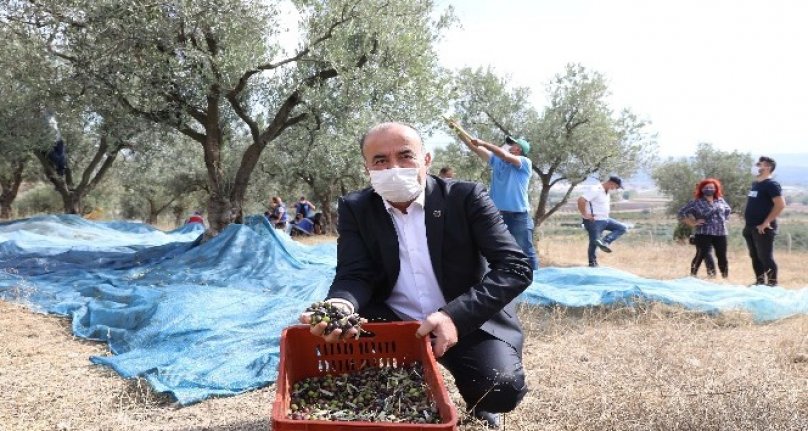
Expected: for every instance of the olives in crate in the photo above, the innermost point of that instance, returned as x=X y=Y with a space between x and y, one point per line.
x=374 y=394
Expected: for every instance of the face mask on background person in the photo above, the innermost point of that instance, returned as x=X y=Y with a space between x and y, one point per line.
x=506 y=147
x=396 y=184
x=708 y=192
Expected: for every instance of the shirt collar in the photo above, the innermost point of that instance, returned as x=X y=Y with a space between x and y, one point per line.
x=419 y=200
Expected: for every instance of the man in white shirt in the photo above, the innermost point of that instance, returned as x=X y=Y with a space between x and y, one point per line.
x=417 y=247
x=594 y=207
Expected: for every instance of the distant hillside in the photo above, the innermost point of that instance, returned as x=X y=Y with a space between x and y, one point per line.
x=792 y=170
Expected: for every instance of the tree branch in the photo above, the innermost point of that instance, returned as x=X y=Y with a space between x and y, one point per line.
x=232 y=97
x=161 y=118
x=197 y=114
x=242 y=82
x=497 y=123
x=572 y=126
x=9 y=187
x=104 y=168
x=557 y=180
x=560 y=203
x=281 y=121
x=99 y=154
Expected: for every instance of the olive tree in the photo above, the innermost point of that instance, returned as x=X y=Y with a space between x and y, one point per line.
x=576 y=136
x=216 y=69
x=160 y=175
x=466 y=165
x=323 y=156
x=23 y=123
x=677 y=178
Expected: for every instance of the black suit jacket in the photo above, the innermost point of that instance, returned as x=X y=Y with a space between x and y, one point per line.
x=464 y=230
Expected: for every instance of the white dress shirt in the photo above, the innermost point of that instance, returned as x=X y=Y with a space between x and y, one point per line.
x=416 y=293
x=598 y=202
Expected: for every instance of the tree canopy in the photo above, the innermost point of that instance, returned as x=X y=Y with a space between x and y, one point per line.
x=677 y=177
x=237 y=99
x=576 y=136
x=216 y=70
x=23 y=117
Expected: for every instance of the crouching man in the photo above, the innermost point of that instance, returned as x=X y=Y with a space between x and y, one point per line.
x=417 y=247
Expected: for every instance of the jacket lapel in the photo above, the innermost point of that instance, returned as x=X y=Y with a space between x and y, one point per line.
x=434 y=215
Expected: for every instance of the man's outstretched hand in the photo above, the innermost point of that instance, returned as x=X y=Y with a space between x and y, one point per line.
x=319 y=329
x=444 y=329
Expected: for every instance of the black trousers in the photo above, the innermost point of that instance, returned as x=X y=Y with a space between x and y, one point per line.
x=488 y=372
x=761 y=250
x=705 y=243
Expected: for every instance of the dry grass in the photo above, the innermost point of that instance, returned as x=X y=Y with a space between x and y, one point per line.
x=666 y=260
x=661 y=368
x=650 y=367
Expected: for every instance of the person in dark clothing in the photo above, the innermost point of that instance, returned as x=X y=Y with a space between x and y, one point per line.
x=764 y=203
x=58 y=157
x=708 y=213
x=417 y=247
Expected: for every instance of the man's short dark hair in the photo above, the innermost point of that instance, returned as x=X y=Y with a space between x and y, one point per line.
x=445 y=170
x=768 y=160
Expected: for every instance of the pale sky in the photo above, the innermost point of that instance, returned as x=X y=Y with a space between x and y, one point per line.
x=733 y=73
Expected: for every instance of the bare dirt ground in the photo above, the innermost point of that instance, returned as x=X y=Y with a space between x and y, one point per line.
x=647 y=368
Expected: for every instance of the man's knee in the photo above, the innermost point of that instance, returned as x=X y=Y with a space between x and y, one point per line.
x=503 y=393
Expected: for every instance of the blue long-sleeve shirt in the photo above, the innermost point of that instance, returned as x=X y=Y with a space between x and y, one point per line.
x=715 y=215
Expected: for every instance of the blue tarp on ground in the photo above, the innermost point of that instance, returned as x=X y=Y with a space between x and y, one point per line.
x=199 y=320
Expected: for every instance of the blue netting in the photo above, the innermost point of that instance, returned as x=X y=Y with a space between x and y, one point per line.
x=198 y=320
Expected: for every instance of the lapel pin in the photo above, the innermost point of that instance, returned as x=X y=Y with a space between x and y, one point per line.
x=436 y=213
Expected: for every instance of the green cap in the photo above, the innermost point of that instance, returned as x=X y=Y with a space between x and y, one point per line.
x=523 y=144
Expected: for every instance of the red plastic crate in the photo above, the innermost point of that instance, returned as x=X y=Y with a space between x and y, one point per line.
x=394 y=344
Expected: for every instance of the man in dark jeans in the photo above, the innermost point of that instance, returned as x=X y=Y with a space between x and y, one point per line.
x=594 y=207
x=511 y=170
x=763 y=204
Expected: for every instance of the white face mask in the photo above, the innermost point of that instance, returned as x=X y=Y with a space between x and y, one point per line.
x=396 y=184
x=506 y=147
x=755 y=171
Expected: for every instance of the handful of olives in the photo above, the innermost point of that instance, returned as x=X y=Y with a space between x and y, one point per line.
x=334 y=316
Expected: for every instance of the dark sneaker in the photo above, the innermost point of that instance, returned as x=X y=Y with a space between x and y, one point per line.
x=603 y=246
x=593 y=264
